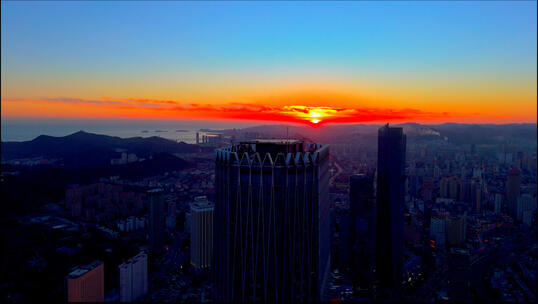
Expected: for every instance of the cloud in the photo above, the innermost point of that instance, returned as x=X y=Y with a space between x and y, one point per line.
x=245 y=111
x=83 y=101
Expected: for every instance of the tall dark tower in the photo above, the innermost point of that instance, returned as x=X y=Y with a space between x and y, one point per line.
x=390 y=207
x=362 y=218
x=513 y=189
x=156 y=219
x=271 y=229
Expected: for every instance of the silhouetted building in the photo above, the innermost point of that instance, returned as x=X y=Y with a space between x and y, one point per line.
x=513 y=188
x=525 y=203
x=101 y=202
x=476 y=194
x=201 y=221
x=456 y=227
x=390 y=206
x=156 y=219
x=498 y=203
x=340 y=238
x=438 y=230
x=427 y=189
x=134 y=278
x=272 y=230
x=465 y=191
x=86 y=283
x=362 y=218
x=459 y=276
x=450 y=187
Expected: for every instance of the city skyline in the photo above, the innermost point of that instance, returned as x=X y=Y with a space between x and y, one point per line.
x=310 y=63
x=269 y=151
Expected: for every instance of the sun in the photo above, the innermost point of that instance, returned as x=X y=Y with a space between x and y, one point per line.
x=315 y=115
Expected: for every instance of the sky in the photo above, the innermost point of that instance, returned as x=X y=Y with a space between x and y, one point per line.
x=312 y=62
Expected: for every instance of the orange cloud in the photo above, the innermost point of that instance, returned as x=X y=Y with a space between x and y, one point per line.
x=154 y=108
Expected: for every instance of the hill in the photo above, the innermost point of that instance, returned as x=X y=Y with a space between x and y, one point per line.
x=81 y=149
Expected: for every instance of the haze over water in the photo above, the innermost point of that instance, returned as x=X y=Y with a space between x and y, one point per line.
x=178 y=130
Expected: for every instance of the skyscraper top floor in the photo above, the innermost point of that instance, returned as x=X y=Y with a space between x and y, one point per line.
x=386 y=130
x=273 y=152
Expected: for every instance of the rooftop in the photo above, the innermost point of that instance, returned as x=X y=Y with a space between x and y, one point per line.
x=276 y=150
x=201 y=204
x=80 y=270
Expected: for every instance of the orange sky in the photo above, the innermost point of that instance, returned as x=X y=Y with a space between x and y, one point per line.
x=315 y=63
x=313 y=106
x=377 y=98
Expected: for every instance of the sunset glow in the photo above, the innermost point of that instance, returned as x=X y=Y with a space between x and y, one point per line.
x=339 y=63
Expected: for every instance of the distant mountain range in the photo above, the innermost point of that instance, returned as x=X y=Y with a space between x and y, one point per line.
x=82 y=149
x=454 y=132
x=83 y=158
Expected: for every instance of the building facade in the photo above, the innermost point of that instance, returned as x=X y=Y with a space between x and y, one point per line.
x=362 y=218
x=525 y=202
x=513 y=189
x=156 y=219
x=390 y=206
x=134 y=278
x=201 y=221
x=86 y=283
x=456 y=227
x=272 y=229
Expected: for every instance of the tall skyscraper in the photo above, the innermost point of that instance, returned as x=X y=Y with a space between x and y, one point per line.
x=513 y=188
x=134 y=278
x=272 y=231
x=201 y=221
x=362 y=234
x=86 y=283
x=390 y=206
x=156 y=219
x=456 y=227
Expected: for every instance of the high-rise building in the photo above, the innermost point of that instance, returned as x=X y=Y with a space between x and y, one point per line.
x=443 y=185
x=459 y=275
x=498 y=202
x=438 y=230
x=453 y=187
x=456 y=227
x=390 y=206
x=156 y=219
x=86 y=283
x=436 y=172
x=271 y=229
x=528 y=216
x=513 y=188
x=134 y=278
x=525 y=203
x=465 y=191
x=450 y=187
x=187 y=223
x=201 y=221
x=427 y=189
x=362 y=234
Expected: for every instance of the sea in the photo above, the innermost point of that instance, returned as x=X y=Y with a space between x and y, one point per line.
x=177 y=130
